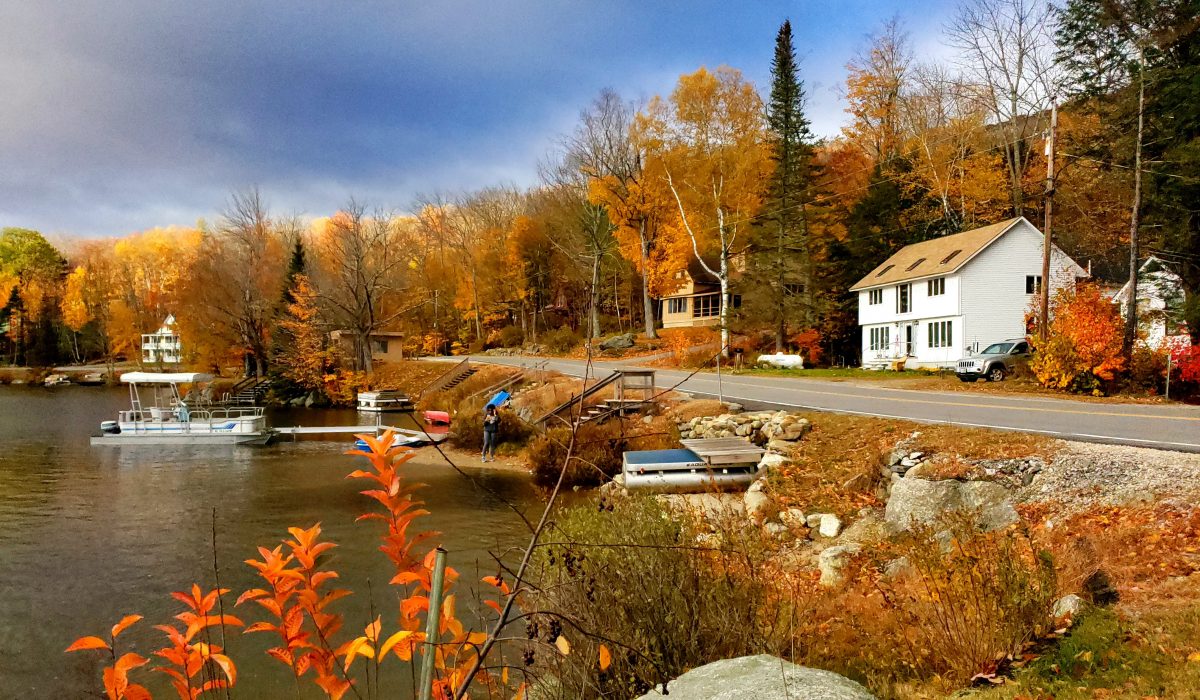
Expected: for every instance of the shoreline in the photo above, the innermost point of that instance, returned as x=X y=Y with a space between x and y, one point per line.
x=471 y=459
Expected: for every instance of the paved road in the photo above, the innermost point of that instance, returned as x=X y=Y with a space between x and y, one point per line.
x=1169 y=427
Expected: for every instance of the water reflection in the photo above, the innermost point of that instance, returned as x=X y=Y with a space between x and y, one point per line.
x=90 y=534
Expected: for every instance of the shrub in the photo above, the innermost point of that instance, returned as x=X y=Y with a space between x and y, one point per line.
x=669 y=607
x=596 y=457
x=560 y=340
x=1083 y=349
x=1148 y=369
x=683 y=341
x=1187 y=360
x=467 y=431
x=507 y=337
x=809 y=343
x=971 y=600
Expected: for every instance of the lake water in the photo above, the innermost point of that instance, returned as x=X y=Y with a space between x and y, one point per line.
x=89 y=534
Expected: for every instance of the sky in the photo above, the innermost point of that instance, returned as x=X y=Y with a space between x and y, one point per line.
x=121 y=116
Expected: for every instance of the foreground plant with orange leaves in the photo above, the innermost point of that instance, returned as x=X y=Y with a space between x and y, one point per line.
x=298 y=598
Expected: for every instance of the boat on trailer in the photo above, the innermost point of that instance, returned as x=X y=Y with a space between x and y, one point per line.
x=169 y=419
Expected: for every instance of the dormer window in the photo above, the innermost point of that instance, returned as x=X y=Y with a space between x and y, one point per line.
x=914 y=265
x=951 y=256
x=884 y=271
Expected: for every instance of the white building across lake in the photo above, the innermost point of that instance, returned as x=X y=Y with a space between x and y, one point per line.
x=935 y=301
x=162 y=346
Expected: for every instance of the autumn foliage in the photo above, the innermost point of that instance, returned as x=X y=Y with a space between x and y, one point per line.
x=1083 y=349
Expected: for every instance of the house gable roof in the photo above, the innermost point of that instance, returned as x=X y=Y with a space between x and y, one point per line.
x=935 y=257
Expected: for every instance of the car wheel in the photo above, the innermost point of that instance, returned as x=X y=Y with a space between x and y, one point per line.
x=995 y=373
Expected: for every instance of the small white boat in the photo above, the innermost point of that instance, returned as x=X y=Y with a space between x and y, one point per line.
x=384 y=401
x=169 y=420
x=56 y=380
x=435 y=430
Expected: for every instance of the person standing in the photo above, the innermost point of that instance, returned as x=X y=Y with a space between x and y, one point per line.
x=491 y=426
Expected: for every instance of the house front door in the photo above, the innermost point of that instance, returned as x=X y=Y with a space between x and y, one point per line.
x=910 y=340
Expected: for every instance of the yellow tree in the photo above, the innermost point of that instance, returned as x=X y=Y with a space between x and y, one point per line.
x=876 y=79
x=708 y=146
x=306 y=359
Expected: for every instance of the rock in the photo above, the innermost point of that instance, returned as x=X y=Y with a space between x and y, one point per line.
x=761 y=677
x=896 y=567
x=711 y=507
x=776 y=529
x=618 y=342
x=895 y=456
x=612 y=490
x=868 y=528
x=734 y=407
x=757 y=505
x=908 y=463
x=647 y=419
x=619 y=479
x=759 y=484
x=793 y=518
x=924 y=501
x=1068 y=606
x=778 y=446
x=832 y=560
x=830 y=525
x=770 y=460
x=310 y=400
x=813 y=521
x=743 y=430
x=914 y=456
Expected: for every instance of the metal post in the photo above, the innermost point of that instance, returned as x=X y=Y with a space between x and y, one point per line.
x=720 y=386
x=1167 y=393
x=432 y=624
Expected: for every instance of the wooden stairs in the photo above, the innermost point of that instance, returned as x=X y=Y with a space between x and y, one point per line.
x=248 y=392
x=626 y=381
x=451 y=378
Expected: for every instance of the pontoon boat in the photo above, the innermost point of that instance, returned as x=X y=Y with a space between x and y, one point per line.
x=169 y=419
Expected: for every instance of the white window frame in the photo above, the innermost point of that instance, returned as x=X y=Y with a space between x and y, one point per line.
x=936 y=287
x=879 y=338
x=875 y=296
x=1035 y=281
x=677 y=305
x=904 y=293
x=939 y=334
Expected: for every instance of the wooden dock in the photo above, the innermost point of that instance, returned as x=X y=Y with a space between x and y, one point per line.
x=728 y=450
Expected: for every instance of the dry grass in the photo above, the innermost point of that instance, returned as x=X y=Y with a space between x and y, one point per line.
x=696 y=409
x=409 y=376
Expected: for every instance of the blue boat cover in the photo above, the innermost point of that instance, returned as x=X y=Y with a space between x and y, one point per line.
x=679 y=456
x=498 y=400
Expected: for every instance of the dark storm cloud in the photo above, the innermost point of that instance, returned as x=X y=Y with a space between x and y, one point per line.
x=123 y=115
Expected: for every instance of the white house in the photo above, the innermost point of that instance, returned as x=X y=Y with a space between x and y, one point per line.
x=1160 y=303
x=162 y=346
x=935 y=301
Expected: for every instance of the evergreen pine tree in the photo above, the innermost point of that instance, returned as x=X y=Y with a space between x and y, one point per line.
x=789 y=264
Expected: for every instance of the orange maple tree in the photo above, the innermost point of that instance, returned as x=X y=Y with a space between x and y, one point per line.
x=1083 y=348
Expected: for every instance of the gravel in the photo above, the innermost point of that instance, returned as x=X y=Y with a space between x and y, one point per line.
x=1085 y=474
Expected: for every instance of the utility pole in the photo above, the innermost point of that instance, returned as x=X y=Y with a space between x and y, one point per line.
x=1044 y=329
x=1131 y=318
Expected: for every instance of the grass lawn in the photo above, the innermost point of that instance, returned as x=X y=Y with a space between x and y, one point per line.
x=840 y=373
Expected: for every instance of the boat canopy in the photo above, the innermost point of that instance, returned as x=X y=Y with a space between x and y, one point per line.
x=165 y=377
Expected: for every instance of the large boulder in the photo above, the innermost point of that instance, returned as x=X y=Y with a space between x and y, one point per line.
x=924 y=501
x=618 y=342
x=832 y=560
x=761 y=677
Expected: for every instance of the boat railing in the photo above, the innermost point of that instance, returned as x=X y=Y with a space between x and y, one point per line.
x=156 y=414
